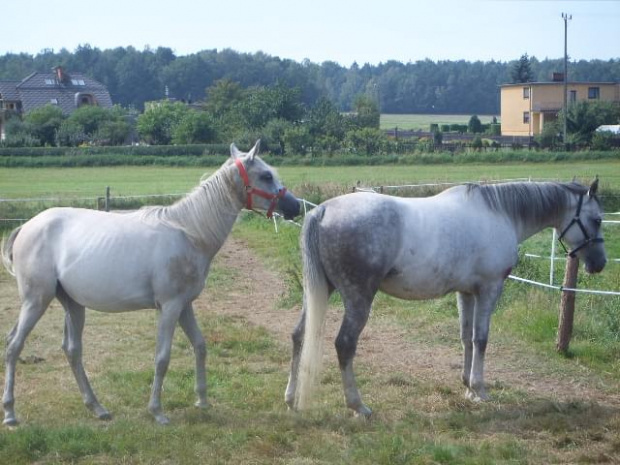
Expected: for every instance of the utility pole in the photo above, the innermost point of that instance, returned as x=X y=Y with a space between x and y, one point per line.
x=566 y=17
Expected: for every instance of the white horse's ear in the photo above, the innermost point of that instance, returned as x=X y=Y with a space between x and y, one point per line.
x=593 y=187
x=252 y=153
x=234 y=151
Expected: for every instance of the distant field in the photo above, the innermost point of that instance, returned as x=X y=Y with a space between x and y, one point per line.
x=423 y=122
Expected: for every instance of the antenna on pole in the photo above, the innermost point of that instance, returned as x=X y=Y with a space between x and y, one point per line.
x=566 y=17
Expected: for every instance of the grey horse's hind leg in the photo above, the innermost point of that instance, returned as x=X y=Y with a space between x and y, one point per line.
x=72 y=346
x=190 y=327
x=466 y=303
x=486 y=299
x=357 y=309
x=31 y=311
x=297 y=337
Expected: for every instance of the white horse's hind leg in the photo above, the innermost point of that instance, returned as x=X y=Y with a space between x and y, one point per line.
x=72 y=346
x=486 y=300
x=466 y=304
x=190 y=327
x=170 y=313
x=297 y=337
x=31 y=311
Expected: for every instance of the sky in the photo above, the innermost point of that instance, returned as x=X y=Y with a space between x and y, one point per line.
x=342 y=31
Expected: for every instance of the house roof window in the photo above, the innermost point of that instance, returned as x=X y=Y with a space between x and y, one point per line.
x=54 y=101
x=50 y=82
x=78 y=82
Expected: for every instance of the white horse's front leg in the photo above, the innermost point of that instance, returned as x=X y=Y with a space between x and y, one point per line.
x=486 y=300
x=168 y=318
x=190 y=327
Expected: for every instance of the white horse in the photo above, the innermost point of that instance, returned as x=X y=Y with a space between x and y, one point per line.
x=157 y=257
x=463 y=240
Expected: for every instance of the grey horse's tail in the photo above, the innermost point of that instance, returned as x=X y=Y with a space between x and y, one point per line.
x=315 y=302
x=7 y=250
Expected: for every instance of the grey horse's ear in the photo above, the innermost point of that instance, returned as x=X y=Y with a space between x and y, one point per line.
x=593 y=187
x=252 y=153
x=234 y=151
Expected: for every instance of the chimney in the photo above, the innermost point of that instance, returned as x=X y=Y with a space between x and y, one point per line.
x=557 y=77
x=61 y=76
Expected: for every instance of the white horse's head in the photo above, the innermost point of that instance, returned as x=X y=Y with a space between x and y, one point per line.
x=581 y=229
x=261 y=187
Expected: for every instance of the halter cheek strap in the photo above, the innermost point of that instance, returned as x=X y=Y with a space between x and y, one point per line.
x=250 y=191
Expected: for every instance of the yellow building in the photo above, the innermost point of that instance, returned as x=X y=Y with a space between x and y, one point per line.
x=526 y=107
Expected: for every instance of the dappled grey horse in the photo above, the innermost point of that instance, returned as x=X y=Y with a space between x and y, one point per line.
x=157 y=257
x=463 y=240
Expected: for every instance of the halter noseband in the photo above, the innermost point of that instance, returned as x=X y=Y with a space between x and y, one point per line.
x=254 y=191
x=587 y=240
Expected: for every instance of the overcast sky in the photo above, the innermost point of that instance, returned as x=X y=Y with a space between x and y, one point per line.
x=344 y=31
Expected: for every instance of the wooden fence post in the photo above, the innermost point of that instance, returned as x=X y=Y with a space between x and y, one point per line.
x=567 y=305
x=107 y=199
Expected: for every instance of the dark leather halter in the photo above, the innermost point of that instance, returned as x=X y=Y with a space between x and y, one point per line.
x=587 y=240
x=250 y=191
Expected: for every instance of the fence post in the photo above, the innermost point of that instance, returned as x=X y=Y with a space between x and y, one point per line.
x=107 y=199
x=567 y=305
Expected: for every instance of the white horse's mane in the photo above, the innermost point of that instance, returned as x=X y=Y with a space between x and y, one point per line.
x=530 y=202
x=205 y=214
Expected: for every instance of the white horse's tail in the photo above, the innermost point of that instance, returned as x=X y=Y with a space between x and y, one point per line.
x=316 y=297
x=7 y=250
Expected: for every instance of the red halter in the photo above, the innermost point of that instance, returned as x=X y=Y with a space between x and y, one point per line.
x=254 y=191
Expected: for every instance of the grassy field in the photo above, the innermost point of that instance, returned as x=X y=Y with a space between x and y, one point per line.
x=423 y=122
x=545 y=408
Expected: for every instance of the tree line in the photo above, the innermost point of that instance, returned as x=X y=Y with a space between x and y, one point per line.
x=134 y=77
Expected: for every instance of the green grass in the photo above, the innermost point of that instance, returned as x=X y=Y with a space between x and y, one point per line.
x=417 y=122
x=418 y=419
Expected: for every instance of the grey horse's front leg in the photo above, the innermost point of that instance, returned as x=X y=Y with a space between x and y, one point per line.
x=168 y=318
x=190 y=327
x=466 y=303
x=486 y=300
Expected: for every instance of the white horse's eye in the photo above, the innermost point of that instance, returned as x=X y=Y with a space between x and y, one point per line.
x=267 y=177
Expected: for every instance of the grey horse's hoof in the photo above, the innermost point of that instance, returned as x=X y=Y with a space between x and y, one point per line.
x=10 y=422
x=363 y=413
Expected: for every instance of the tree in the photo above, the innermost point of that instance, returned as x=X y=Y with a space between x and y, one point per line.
x=584 y=117
x=474 y=126
x=367 y=112
x=521 y=70
x=155 y=125
x=44 y=122
x=194 y=127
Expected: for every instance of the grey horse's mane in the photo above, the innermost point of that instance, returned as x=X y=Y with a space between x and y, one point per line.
x=531 y=202
x=204 y=214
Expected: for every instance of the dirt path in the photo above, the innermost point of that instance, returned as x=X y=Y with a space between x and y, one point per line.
x=386 y=348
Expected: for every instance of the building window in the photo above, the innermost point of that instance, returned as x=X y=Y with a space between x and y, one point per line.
x=526 y=93
x=78 y=82
x=50 y=82
x=526 y=117
x=594 y=93
x=54 y=101
x=573 y=96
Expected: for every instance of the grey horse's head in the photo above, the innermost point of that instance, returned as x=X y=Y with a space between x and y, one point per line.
x=262 y=189
x=581 y=229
